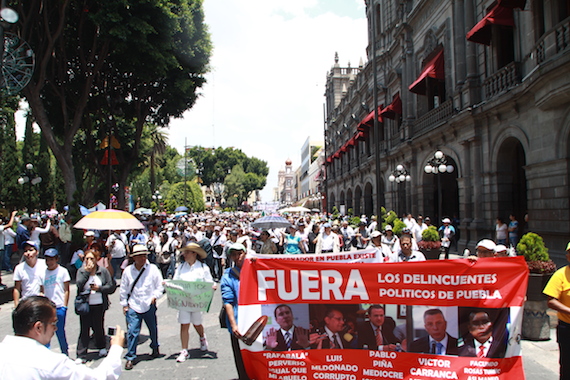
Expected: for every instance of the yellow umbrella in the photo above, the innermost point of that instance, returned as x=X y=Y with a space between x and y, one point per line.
x=109 y=219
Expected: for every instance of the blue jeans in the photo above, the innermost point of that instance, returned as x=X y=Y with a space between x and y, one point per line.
x=5 y=255
x=134 y=322
x=116 y=264
x=61 y=313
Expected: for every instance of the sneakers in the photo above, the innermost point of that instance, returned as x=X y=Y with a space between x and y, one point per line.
x=183 y=356
x=103 y=352
x=203 y=344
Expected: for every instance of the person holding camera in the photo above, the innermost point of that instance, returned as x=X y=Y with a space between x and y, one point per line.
x=97 y=282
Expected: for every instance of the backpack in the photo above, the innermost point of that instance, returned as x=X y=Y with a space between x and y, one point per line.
x=209 y=260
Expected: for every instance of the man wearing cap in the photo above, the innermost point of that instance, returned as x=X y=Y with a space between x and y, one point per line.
x=229 y=286
x=23 y=231
x=361 y=236
x=347 y=233
x=218 y=241
x=56 y=288
x=446 y=233
x=327 y=241
x=29 y=275
x=559 y=299
x=383 y=254
x=117 y=249
x=141 y=286
x=486 y=248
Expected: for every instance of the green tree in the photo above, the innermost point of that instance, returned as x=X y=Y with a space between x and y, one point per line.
x=175 y=196
x=99 y=59
x=10 y=190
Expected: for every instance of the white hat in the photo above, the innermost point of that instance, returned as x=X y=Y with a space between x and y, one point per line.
x=446 y=220
x=487 y=244
x=375 y=234
x=89 y=233
x=388 y=228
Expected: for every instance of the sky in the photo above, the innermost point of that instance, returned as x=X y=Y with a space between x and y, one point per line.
x=265 y=90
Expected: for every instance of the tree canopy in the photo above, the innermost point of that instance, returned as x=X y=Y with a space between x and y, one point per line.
x=109 y=65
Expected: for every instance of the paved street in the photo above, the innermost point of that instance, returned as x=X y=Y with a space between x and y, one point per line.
x=540 y=358
x=216 y=364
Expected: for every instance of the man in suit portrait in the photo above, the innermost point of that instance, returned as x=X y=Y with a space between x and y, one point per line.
x=480 y=341
x=331 y=337
x=288 y=337
x=438 y=341
x=378 y=332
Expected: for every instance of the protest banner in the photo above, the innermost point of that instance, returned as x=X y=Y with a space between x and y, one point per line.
x=311 y=307
x=189 y=295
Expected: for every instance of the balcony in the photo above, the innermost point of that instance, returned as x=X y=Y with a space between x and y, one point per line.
x=504 y=79
x=433 y=118
x=553 y=42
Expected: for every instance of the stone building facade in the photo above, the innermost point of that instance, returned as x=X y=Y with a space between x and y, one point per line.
x=485 y=82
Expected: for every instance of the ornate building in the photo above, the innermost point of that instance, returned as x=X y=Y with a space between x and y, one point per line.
x=487 y=83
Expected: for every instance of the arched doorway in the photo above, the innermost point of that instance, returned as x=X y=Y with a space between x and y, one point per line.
x=349 y=207
x=357 y=200
x=332 y=202
x=511 y=181
x=447 y=184
x=368 y=200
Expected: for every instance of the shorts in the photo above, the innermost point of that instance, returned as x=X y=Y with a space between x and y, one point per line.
x=187 y=317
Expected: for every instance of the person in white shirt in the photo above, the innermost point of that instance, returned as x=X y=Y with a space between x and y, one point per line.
x=373 y=224
x=406 y=252
x=419 y=228
x=409 y=221
x=36 y=230
x=29 y=274
x=327 y=241
x=347 y=233
x=117 y=248
x=192 y=269
x=5 y=254
x=218 y=241
x=138 y=299
x=56 y=288
x=25 y=356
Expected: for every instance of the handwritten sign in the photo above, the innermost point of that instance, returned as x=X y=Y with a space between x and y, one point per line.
x=189 y=296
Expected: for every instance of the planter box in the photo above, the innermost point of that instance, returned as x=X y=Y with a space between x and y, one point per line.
x=431 y=254
x=536 y=283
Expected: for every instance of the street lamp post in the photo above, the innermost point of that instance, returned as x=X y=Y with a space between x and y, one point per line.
x=157 y=199
x=400 y=175
x=31 y=178
x=438 y=165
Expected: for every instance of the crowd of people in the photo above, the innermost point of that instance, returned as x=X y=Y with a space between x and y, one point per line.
x=207 y=247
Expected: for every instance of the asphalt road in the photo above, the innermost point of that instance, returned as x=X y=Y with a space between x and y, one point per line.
x=540 y=359
x=217 y=363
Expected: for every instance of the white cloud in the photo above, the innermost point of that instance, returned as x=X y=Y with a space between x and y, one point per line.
x=269 y=64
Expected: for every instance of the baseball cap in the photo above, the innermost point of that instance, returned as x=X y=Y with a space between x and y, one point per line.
x=31 y=244
x=237 y=247
x=89 y=233
x=388 y=228
x=51 y=252
x=375 y=234
x=446 y=220
x=487 y=244
x=327 y=225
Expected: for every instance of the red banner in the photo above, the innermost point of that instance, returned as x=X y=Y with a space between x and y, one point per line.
x=329 y=319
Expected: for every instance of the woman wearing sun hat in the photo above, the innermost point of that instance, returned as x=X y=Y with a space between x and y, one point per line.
x=192 y=269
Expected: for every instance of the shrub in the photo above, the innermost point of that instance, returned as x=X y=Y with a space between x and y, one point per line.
x=532 y=247
x=430 y=234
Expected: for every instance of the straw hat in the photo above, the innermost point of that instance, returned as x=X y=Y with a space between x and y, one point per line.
x=194 y=247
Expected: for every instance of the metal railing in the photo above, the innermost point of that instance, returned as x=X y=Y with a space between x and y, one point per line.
x=433 y=118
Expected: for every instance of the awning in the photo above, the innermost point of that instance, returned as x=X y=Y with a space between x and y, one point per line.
x=513 y=3
x=352 y=142
x=368 y=121
x=361 y=135
x=344 y=148
x=434 y=69
x=329 y=159
x=395 y=108
x=482 y=31
x=336 y=154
